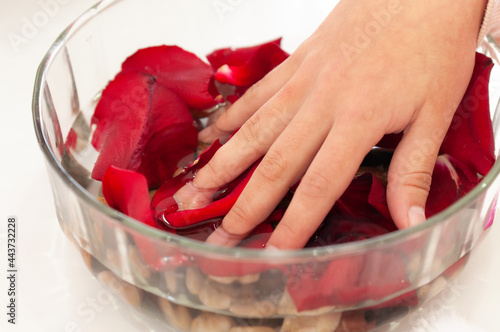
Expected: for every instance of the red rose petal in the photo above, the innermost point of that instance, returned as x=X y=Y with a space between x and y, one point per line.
x=365 y=199
x=163 y=201
x=257 y=239
x=325 y=285
x=135 y=118
x=127 y=192
x=265 y=59
x=121 y=117
x=451 y=179
x=71 y=139
x=235 y=56
x=179 y=70
x=470 y=137
x=213 y=210
x=163 y=151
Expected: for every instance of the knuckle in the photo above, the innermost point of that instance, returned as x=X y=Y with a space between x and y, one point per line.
x=419 y=180
x=240 y=213
x=250 y=132
x=290 y=231
x=314 y=184
x=272 y=167
x=212 y=175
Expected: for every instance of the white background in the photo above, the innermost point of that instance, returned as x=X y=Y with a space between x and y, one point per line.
x=55 y=291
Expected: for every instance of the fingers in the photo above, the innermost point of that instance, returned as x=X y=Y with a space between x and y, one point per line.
x=282 y=167
x=326 y=179
x=410 y=172
x=254 y=138
x=249 y=103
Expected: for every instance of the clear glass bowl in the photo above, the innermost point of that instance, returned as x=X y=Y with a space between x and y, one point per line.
x=68 y=84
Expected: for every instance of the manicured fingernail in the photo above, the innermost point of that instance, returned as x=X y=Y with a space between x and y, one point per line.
x=220 y=237
x=271 y=248
x=190 y=197
x=416 y=216
x=204 y=135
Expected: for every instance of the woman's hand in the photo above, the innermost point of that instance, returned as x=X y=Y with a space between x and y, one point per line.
x=371 y=68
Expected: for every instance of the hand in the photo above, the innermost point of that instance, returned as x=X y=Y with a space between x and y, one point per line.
x=371 y=68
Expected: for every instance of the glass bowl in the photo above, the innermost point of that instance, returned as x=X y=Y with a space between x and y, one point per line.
x=198 y=287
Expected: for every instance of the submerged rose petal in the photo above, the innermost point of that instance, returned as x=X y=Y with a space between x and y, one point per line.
x=215 y=209
x=327 y=284
x=127 y=191
x=71 y=139
x=451 y=180
x=352 y=279
x=136 y=117
x=365 y=199
x=163 y=200
x=165 y=149
x=257 y=239
x=181 y=71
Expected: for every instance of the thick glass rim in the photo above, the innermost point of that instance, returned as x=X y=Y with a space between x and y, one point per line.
x=337 y=249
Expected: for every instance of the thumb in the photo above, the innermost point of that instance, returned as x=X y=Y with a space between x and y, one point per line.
x=410 y=172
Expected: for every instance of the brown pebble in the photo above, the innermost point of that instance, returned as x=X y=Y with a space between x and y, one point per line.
x=252 y=329
x=320 y=323
x=213 y=296
x=194 y=280
x=355 y=321
x=177 y=316
x=208 y=322
x=255 y=309
x=136 y=262
x=123 y=289
x=87 y=258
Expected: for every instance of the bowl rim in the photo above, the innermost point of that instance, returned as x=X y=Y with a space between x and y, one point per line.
x=337 y=249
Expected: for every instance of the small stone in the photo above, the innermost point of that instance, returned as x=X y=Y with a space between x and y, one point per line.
x=113 y=258
x=171 y=281
x=320 y=323
x=243 y=280
x=177 y=316
x=208 y=322
x=87 y=258
x=287 y=306
x=254 y=309
x=194 y=280
x=136 y=262
x=355 y=321
x=436 y=287
x=123 y=289
x=252 y=329
x=213 y=296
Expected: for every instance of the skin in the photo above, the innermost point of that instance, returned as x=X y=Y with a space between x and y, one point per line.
x=316 y=115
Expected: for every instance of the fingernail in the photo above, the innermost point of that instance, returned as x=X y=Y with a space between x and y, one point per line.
x=271 y=248
x=416 y=216
x=204 y=135
x=189 y=197
x=220 y=237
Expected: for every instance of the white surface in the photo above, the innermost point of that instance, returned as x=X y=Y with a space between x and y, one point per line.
x=55 y=290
